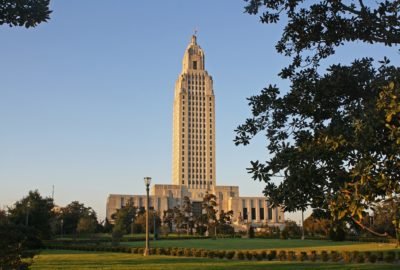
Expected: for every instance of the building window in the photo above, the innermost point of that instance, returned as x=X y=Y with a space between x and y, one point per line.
x=195 y=66
x=183 y=182
x=253 y=213
x=270 y=213
x=261 y=213
x=245 y=213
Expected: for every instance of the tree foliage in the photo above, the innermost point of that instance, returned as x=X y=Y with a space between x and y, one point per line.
x=72 y=213
x=315 y=28
x=16 y=245
x=28 y=13
x=86 y=225
x=124 y=218
x=316 y=226
x=332 y=137
x=33 y=211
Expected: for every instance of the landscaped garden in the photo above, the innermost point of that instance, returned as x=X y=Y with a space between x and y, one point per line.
x=235 y=253
x=56 y=259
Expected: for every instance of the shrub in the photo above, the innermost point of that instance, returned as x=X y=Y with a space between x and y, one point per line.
x=264 y=254
x=251 y=232
x=230 y=254
x=291 y=256
x=282 y=255
x=324 y=256
x=197 y=253
x=258 y=256
x=390 y=256
x=181 y=252
x=249 y=255
x=284 y=235
x=240 y=255
x=347 y=257
x=367 y=254
x=187 y=252
x=211 y=254
x=337 y=234
x=313 y=256
x=167 y=251
x=303 y=256
x=221 y=254
x=271 y=255
x=359 y=257
x=335 y=256
x=372 y=258
x=380 y=256
x=204 y=253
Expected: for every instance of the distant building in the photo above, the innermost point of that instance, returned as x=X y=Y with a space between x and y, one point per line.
x=193 y=164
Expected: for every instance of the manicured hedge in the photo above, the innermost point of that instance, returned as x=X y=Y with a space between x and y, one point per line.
x=282 y=255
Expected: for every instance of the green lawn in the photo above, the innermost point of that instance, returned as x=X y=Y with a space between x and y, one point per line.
x=104 y=260
x=242 y=244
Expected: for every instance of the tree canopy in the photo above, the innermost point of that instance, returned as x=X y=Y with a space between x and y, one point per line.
x=28 y=13
x=333 y=137
x=315 y=28
x=33 y=211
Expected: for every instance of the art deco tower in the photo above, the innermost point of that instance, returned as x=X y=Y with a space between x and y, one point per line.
x=194 y=125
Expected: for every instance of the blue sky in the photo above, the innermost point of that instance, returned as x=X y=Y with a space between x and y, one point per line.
x=86 y=99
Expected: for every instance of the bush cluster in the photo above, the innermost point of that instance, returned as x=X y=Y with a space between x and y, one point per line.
x=282 y=255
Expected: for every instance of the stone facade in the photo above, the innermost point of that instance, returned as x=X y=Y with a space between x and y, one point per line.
x=193 y=162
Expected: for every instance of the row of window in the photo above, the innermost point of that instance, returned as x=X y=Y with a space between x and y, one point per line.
x=196 y=82
x=196 y=88
x=198 y=108
x=197 y=158
x=253 y=214
x=196 y=182
x=196 y=136
x=195 y=96
x=199 y=130
x=196 y=165
x=196 y=170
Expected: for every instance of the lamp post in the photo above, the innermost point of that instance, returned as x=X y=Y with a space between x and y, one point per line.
x=147 y=181
x=27 y=213
x=62 y=224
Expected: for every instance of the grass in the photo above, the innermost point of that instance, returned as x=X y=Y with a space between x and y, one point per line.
x=243 y=244
x=55 y=259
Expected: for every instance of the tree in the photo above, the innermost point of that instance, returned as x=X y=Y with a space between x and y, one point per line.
x=224 y=222
x=33 y=211
x=209 y=215
x=334 y=137
x=317 y=226
x=291 y=230
x=383 y=217
x=16 y=245
x=86 y=225
x=154 y=221
x=3 y=217
x=72 y=213
x=188 y=215
x=168 y=218
x=124 y=218
x=28 y=13
x=314 y=29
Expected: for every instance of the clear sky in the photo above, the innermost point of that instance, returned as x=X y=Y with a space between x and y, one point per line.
x=86 y=99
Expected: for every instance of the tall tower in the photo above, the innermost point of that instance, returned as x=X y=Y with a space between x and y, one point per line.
x=194 y=125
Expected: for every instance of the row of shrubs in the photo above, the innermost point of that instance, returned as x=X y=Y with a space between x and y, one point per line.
x=282 y=255
x=125 y=239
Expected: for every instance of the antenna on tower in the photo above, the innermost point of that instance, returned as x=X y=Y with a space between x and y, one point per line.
x=52 y=194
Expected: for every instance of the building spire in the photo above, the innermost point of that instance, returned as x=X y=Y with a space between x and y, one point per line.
x=194 y=37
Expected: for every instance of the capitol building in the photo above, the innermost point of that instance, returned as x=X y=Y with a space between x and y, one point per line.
x=193 y=161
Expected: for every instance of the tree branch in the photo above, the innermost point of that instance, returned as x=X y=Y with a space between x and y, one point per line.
x=369 y=229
